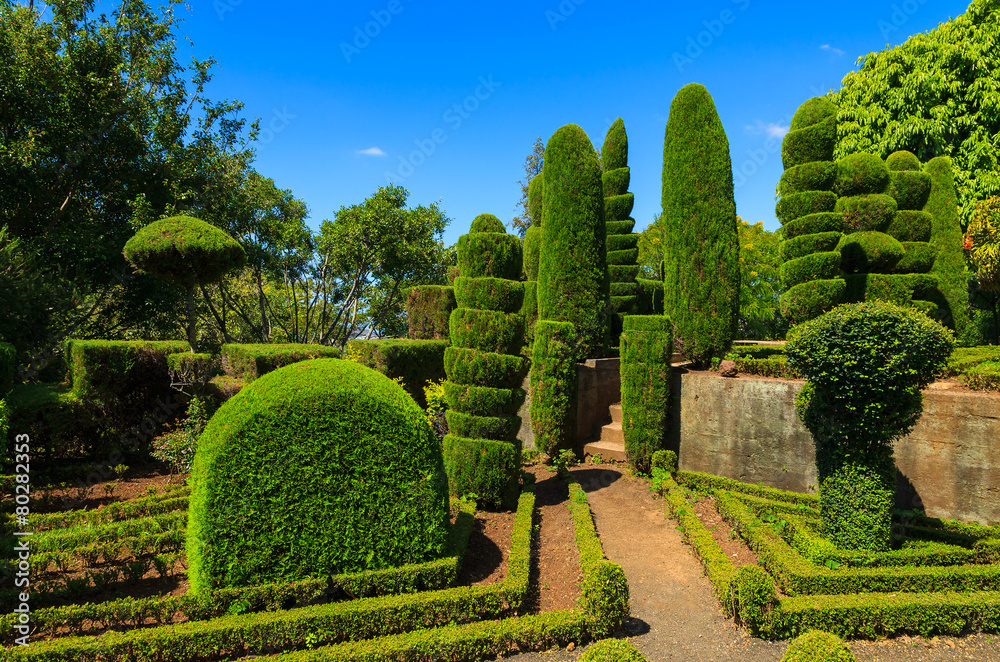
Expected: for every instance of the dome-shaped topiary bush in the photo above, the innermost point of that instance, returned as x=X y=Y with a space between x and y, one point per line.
x=318 y=468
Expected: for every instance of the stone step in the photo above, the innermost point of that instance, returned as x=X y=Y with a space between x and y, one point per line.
x=608 y=450
x=613 y=432
x=616 y=413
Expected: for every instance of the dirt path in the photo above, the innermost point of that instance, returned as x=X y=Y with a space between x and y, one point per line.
x=675 y=616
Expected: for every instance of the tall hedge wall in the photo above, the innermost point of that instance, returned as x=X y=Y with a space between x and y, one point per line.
x=701 y=240
x=811 y=228
x=482 y=453
x=618 y=202
x=428 y=308
x=573 y=279
x=646 y=348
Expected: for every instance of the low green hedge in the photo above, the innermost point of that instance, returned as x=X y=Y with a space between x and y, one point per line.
x=487 y=330
x=486 y=468
x=776 y=367
x=490 y=255
x=797 y=205
x=983 y=377
x=911 y=225
x=829 y=221
x=910 y=188
x=706 y=483
x=869 y=252
x=818 y=646
x=483 y=400
x=861 y=174
x=814 y=176
x=812 y=143
x=553 y=386
x=506 y=296
x=802 y=245
x=470 y=366
x=811 y=299
x=251 y=361
x=612 y=650
x=416 y=361
x=496 y=428
x=817 y=266
x=867 y=212
x=428 y=308
x=918 y=258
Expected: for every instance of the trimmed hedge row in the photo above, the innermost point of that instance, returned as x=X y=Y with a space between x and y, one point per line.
x=416 y=361
x=818 y=646
x=427 y=310
x=821 y=222
x=646 y=349
x=252 y=361
x=470 y=366
x=553 y=386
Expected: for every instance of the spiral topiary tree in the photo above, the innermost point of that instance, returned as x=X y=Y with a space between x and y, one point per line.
x=811 y=228
x=701 y=239
x=865 y=364
x=187 y=251
x=622 y=243
x=482 y=454
x=573 y=281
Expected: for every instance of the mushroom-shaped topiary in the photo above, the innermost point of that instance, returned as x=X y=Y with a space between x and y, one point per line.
x=185 y=250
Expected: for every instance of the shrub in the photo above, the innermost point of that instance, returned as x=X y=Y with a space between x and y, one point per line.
x=489 y=255
x=797 y=205
x=190 y=371
x=470 y=366
x=332 y=446
x=250 y=361
x=7 y=365
x=612 y=650
x=910 y=189
x=665 y=461
x=811 y=143
x=984 y=233
x=818 y=266
x=753 y=595
x=871 y=252
x=620 y=227
x=532 y=250
x=574 y=290
x=811 y=112
x=56 y=421
x=650 y=297
x=495 y=428
x=814 y=176
x=483 y=400
x=622 y=242
x=808 y=300
x=505 y=296
x=487 y=330
x=800 y=246
x=946 y=234
x=860 y=174
x=702 y=273
x=529 y=310
x=865 y=365
x=902 y=161
x=416 y=362
x=818 y=646
x=813 y=224
x=536 y=193
x=177 y=447
x=645 y=386
x=427 y=310
x=553 y=386
x=909 y=225
x=867 y=212
x=615 y=181
x=485 y=468
x=918 y=259
x=488 y=223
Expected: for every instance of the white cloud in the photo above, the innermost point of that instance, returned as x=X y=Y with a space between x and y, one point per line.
x=828 y=47
x=770 y=129
x=371 y=151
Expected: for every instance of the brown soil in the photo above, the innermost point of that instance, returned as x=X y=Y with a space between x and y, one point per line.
x=558 y=561
x=731 y=544
x=486 y=555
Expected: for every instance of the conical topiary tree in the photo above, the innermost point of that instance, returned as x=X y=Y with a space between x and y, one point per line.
x=622 y=243
x=573 y=281
x=702 y=249
x=484 y=367
x=188 y=251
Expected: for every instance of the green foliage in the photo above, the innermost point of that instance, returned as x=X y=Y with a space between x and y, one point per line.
x=615 y=182
x=665 y=461
x=494 y=428
x=910 y=188
x=800 y=246
x=612 y=650
x=949 y=265
x=553 y=386
x=488 y=469
x=177 y=447
x=702 y=274
x=646 y=348
x=867 y=212
x=902 y=161
x=818 y=646
x=984 y=231
x=428 y=308
x=248 y=362
x=489 y=255
x=760 y=281
x=470 y=366
x=806 y=301
x=869 y=252
x=484 y=400
x=865 y=365
x=574 y=290
x=911 y=225
x=532 y=251
x=622 y=242
x=817 y=266
x=184 y=250
x=797 y=205
x=416 y=362
x=506 y=296
x=983 y=377
x=650 y=297
x=437 y=403
x=933 y=96
x=811 y=143
x=536 y=192
x=487 y=223
x=614 y=153
x=56 y=421
x=7 y=365
x=813 y=176
x=487 y=330
x=529 y=309
x=531 y=210
x=811 y=112
x=918 y=259
x=308 y=443
x=860 y=174
x=753 y=595
x=813 y=224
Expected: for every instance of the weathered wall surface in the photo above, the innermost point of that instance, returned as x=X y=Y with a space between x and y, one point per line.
x=747 y=429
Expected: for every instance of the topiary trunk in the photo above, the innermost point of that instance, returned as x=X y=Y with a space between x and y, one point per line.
x=192 y=332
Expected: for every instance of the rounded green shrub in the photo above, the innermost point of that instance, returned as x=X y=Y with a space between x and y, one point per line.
x=500 y=294
x=813 y=111
x=489 y=255
x=488 y=223
x=487 y=330
x=818 y=266
x=701 y=240
x=470 y=426
x=553 y=386
x=536 y=194
x=808 y=300
x=800 y=246
x=616 y=182
x=909 y=225
x=470 y=366
x=818 y=646
x=620 y=227
x=910 y=189
x=918 y=258
x=798 y=205
x=869 y=252
x=812 y=143
x=753 y=595
x=814 y=176
x=317 y=443
x=813 y=224
x=483 y=400
x=612 y=650
x=861 y=174
x=184 y=250
x=573 y=279
x=665 y=461
x=488 y=469
x=865 y=364
x=622 y=242
x=867 y=212
x=902 y=161
x=605 y=596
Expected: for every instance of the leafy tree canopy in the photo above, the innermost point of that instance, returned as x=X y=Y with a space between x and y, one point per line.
x=532 y=166
x=760 y=283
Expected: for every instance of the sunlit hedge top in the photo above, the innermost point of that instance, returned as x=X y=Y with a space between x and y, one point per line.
x=185 y=250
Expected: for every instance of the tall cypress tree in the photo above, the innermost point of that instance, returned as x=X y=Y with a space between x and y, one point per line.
x=622 y=243
x=702 y=250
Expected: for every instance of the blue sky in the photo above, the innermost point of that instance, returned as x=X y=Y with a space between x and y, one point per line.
x=447 y=98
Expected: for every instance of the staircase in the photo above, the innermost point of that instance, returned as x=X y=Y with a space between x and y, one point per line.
x=611 y=444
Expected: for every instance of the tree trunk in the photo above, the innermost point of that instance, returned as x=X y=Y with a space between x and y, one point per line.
x=192 y=334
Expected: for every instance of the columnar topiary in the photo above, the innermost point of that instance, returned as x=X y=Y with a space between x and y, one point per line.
x=484 y=367
x=622 y=243
x=573 y=283
x=946 y=235
x=646 y=348
x=865 y=365
x=701 y=239
x=553 y=386
x=318 y=468
x=812 y=229
x=532 y=254
x=188 y=251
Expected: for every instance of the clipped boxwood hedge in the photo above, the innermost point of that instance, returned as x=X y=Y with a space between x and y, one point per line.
x=902 y=161
x=250 y=361
x=415 y=361
x=427 y=310
x=911 y=189
x=910 y=225
x=918 y=259
x=487 y=330
x=814 y=176
x=553 y=386
x=860 y=174
x=483 y=400
x=867 y=212
x=818 y=646
x=894 y=288
x=499 y=294
x=488 y=469
x=612 y=650
x=307 y=444
x=811 y=143
x=813 y=224
x=800 y=246
x=622 y=273
x=797 y=205
x=817 y=266
x=496 y=428
x=646 y=349
x=808 y=300
x=870 y=252
x=490 y=255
